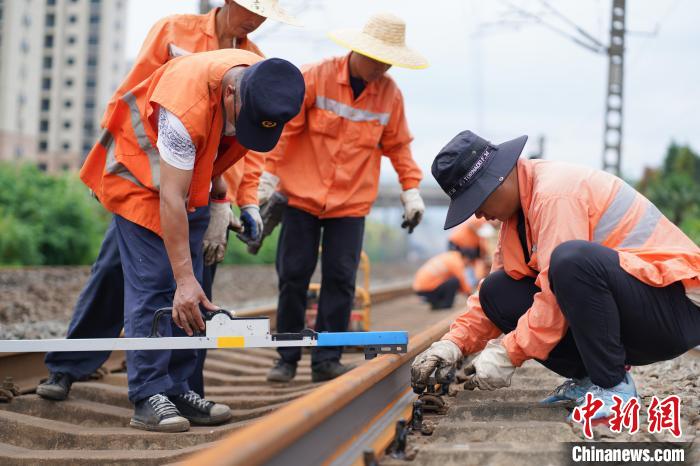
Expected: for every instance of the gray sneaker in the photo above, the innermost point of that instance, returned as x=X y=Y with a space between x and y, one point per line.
x=328 y=370
x=200 y=411
x=56 y=387
x=282 y=372
x=157 y=413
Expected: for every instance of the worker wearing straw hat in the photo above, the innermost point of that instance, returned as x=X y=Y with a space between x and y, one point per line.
x=99 y=312
x=327 y=164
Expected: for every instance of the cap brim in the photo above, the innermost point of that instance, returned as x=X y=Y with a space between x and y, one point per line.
x=466 y=204
x=269 y=12
x=253 y=136
x=368 y=46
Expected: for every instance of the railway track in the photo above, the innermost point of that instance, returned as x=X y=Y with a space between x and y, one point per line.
x=91 y=426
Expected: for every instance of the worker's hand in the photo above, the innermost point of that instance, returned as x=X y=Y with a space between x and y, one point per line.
x=442 y=357
x=413 y=208
x=252 y=222
x=267 y=187
x=491 y=369
x=186 y=313
x=221 y=218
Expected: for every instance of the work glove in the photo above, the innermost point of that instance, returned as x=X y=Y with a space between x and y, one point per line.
x=442 y=357
x=252 y=223
x=221 y=218
x=491 y=369
x=266 y=187
x=413 y=208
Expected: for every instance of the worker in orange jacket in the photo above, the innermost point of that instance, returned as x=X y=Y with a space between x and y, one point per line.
x=175 y=134
x=473 y=239
x=588 y=277
x=327 y=164
x=438 y=280
x=99 y=310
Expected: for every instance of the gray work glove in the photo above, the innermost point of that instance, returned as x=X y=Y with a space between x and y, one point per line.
x=491 y=369
x=266 y=187
x=221 y=218
x=413 y=209
x=442 y=357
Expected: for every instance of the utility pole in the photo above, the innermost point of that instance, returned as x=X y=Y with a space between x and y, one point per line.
x=612 y=137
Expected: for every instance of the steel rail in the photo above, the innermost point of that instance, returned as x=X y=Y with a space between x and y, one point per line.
x=327 y=424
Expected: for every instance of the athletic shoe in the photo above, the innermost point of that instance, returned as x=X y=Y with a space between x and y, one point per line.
x=56 y=387
x=328 y=370
x=571 y=390
x=159 y=414
x=282 y=372
x=200 y=411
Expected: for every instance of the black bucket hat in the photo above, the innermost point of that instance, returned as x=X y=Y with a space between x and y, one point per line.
x=470 y=168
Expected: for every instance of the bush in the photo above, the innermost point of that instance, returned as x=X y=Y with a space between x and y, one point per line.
x=47 y=220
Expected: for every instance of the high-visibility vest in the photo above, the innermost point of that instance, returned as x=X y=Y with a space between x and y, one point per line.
x=564 y=202
x=329 y=156
x=126 y=178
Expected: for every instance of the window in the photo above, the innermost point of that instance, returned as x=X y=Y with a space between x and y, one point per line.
x=65 y=167
x=50 y=2
x=43 y=146
x=89 y=126
x=48 y=63
x=94 y=19
x=89 y=104
x=68 y=103
x=44 y=126
x=45 y=104
x=91 y=83
x=71 y=40
x=69 y=82
x=24 y=46
x=92 y=60
x=92 y=40
x=87 y=147
x=70 y=61
x=42 y=165
x=72 y=19
x=46 y=84
x=66 y=146
x=48 y=41
x=50 y=20
x=67 y=124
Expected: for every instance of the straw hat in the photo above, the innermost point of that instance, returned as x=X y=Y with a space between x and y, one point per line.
x=384 y=39
x=269 y=9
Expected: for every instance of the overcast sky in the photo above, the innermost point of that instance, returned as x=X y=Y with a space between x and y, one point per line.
x=504 y=81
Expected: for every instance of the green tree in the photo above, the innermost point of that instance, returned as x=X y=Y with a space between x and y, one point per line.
x=675 y=188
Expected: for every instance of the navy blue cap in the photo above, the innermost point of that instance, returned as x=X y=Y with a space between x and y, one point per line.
x=272 y=92
x=470 y=168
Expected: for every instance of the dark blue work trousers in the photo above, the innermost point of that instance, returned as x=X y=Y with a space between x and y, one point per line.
x=442 y=297
x=297 y=254
x=149 y=285
x=614 y=319
x=99 y=313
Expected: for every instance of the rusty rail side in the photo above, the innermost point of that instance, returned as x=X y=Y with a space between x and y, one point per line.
x=311 y=429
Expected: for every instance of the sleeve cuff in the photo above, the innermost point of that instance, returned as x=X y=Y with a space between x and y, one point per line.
x=515 y=353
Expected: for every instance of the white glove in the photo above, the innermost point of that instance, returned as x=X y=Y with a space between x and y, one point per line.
x=442 y=356
x=267 y=187
x=413 y=208
x=252 y=222
x=491 y=369
x=221 y=217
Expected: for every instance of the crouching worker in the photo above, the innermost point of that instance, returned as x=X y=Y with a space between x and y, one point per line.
x=173 y=137
x=588 y=277
x=438 y=280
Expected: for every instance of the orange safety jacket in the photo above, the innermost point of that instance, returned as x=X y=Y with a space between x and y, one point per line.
x=329 y=155
x=126 y=179
x=563 y=202
x=466 y=234
x=438 y=270
x=192 y=33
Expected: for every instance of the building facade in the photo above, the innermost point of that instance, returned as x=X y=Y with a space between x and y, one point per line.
x=60 y=61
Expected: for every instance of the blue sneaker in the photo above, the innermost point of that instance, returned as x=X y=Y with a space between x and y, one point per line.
x=626 y=390
x=570 y=390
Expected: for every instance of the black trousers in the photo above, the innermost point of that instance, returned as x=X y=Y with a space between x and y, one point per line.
x=442 y=297
x=614 y=319
x=297 y=254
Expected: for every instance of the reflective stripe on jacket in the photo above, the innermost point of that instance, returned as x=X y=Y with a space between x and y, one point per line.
x=438 y=270
x=192 y=33
x=328 y=157
x=563 y=202
x=126 y=179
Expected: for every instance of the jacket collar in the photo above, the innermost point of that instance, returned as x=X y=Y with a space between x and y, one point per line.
x=209 y=23
x=343 y=75
x=526 y=170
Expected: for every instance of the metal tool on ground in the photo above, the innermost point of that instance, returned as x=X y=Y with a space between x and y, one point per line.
x=271 y=213
x=223 y=330
x=362 y=306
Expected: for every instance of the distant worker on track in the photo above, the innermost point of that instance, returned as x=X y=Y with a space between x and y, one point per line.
x=327 y=164
x=175 y=135
x=441 y=277
x=475 y=238
x=99 y=311
x=589 y=276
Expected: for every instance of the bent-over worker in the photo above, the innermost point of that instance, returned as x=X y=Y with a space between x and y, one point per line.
x=441 y=277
